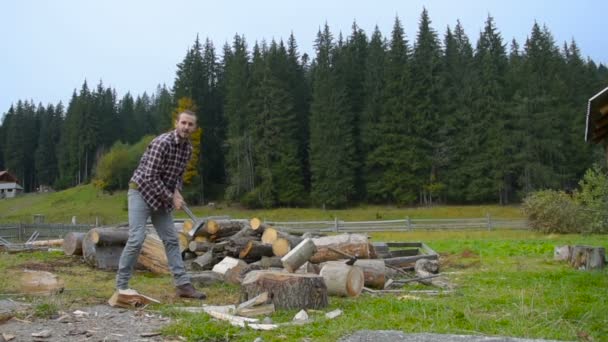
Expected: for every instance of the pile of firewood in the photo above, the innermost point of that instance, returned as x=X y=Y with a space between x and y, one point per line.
x=296 y=271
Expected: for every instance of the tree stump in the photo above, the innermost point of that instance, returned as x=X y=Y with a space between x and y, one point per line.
x=286 y=290
x=562 y=253
x=342 y=279
x=588 y=257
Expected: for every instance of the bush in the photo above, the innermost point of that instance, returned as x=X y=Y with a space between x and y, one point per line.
x=551 y=211
x=114 y=169
x=593 y=197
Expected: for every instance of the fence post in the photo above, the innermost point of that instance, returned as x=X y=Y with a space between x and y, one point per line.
x=336 y=224
x=408 y=223
x=489 y=218
x=20 y=232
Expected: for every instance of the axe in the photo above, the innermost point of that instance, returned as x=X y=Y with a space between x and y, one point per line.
x=197 y=223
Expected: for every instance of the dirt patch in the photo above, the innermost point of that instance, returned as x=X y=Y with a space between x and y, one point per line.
x=457 y=261
x=95 y=323
x=467 y=253
x=49 y=266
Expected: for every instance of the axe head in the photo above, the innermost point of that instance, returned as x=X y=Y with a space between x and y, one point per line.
x=198 y=224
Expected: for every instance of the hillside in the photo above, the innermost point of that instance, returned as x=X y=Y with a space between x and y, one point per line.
x=86 y=203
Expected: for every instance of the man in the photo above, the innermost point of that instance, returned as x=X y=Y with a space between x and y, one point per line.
x=154 y=191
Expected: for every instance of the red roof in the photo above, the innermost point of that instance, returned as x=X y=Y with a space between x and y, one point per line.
x=7 y=177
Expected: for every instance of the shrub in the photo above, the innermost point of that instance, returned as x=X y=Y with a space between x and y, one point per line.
x=551 y=211
x=593 y=197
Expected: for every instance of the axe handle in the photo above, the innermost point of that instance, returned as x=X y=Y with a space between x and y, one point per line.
x=187 y=210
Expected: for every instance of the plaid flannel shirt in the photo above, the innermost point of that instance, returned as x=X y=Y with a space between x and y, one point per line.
x=161 y=169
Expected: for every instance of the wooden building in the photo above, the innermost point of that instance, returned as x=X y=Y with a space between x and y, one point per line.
x=9 y=186
x=596 y=131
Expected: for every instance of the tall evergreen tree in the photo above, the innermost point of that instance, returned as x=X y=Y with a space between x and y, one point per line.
x=429 y=129
x=239 y=140
x=332 y=142
x=48 y=139
x=126 y=116
x=162 y=106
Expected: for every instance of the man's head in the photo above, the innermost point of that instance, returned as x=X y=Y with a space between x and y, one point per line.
x=185 y=124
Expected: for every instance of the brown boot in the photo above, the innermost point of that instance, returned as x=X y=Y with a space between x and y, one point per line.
x=188 y=291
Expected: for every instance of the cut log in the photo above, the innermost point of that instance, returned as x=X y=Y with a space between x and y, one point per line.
x=226 y=228
x=400 y=262
x=588 y=257
x=235 y=246
x=183 y=239
x=286 y=290
x=130 y=298
x=108 y=236
x=269 y=235
x=205 y=278
x=374 y=272
x=280 y=247
x=274 y=261
x=426 y=272
x=153 y=256
x=342 y=280
x=353 y=244
x=562 y=253
x=257 y=225
x=104 y=257
x=187 y=226
x=72 y=243
x=47 y=243
x=195 y=246
x=40 y=283
x=299 y=255
x=255 y=250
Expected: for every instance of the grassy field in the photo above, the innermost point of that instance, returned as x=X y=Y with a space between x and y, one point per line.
x=506 y=284
x=86 y=203
x=506 y=281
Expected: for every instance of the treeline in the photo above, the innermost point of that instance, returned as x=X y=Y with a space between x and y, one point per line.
x=367 y=119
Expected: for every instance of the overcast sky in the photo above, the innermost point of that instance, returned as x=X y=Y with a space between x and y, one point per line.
x=48 y=48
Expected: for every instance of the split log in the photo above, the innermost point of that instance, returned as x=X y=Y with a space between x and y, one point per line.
x=72 y=243
x=205 y=278
x=183 y=239
x=374 y=272
x=270 y=235
x=562 y=253
x=259 y=310
x=208 y=229
x=255 y=250
x=153 y=256
x=204 y=262
x=130 y=298
x=342 y=279
x=299 y=255
x=286 y=290
x=257 y=300
x=203 y=247
x=426 y=272
x=588 y=257
x=107 y=254
x=231 y=269
x=353 y=244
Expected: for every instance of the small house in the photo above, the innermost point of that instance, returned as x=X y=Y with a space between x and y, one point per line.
x=9 y=186
x=596 y=131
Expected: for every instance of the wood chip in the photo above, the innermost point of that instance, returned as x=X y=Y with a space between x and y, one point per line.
x=42 y=334
x=149 y=334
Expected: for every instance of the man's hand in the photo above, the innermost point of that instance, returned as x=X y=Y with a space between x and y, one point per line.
x=178 y=200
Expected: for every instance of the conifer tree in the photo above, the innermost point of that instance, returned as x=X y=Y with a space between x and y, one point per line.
x=332 y=145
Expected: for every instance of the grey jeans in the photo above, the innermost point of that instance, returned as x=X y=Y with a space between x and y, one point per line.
x=162 y=220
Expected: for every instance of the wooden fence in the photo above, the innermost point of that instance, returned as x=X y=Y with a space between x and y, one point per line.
x=18 y=232
x=407 y=224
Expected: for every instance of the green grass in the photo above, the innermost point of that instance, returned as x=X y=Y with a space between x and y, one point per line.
x=507 y=284
x=87 y=203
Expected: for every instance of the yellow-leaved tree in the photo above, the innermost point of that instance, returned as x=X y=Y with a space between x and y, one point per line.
x=195 y=138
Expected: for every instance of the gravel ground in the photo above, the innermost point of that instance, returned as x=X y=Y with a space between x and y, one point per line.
x=96 y=323
x=391 y=335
